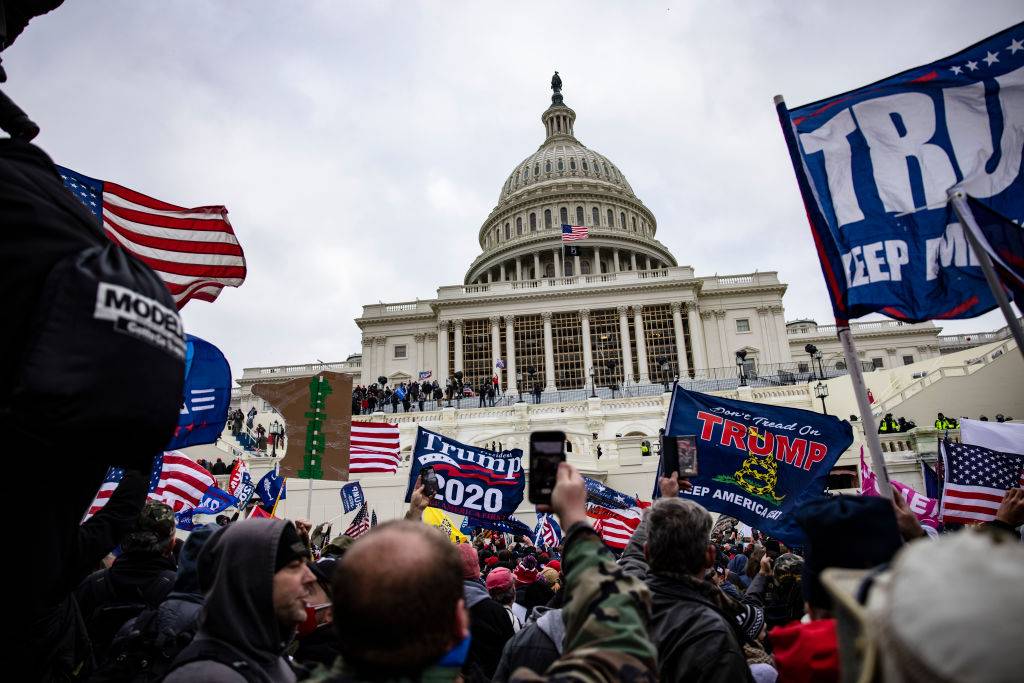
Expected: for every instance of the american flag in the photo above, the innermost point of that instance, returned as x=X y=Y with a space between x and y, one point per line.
x=571 y=233
x=178 y=481
x=547 y=532
x=977 y=479
x=616 y=527
x=110 y=482
x=194 y=251
x=360 y=523
x=374 y=448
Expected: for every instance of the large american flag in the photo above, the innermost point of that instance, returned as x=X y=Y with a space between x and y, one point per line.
x=178 y=481
x=194 y=251
x=374 y=447
x=976 y=481
x=360 y=523
x=616 y=515
x=571 y=233
x=110 y=482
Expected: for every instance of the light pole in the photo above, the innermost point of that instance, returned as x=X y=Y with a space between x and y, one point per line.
x=666 y=368
x=821 y=391
x=593 y=385
x=610 y=364
x=519 y=384
x=741 y=358
x=815 y=355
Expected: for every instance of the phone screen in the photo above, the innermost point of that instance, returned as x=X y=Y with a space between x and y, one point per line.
x=547 y=450
x=686 y=451
x=429 y=478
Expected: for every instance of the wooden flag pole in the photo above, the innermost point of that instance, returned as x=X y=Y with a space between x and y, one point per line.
x=867 y=419
x=973 y=234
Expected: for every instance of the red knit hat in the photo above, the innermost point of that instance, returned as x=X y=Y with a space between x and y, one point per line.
x=499 y=578
x=554 y=564
x=524 y=575
x=491 y=561
x=806 y=653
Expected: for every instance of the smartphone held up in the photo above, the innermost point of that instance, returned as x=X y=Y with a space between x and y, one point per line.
x=547 y=450
x=679 y=454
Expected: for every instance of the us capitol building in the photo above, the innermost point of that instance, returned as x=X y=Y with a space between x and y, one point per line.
x=603 y=331
x=620 y=312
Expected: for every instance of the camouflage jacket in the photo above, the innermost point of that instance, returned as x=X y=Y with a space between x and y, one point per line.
x=606 y=614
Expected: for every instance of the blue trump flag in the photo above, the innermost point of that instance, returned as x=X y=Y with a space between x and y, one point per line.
x=757 y=462
x=207 y=392
x=874 y=166
x=217 y=500
x=269 y=486
x=474 y=482
x=512 y=525
x=352 y=496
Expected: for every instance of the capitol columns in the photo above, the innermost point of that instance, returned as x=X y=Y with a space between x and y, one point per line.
x=496 y=347
x=632 y=261
x=549 y=353
x=519 y=268
x=381 y=354
x=785 y=355
x=576 y=263
x=588 y=354
x=596 y=268
x=641 y=344
x=615 y=261
x=537 y=274
x=696 y=337
x=767 y=329
x=556 y=255
x=682 y=367
x=510 y=352
x=627 y=353
x=419 y=338
x=367 y=364
x=442 y=353
x=458 y=344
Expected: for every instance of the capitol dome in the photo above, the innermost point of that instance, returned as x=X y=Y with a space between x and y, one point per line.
x=565 y=182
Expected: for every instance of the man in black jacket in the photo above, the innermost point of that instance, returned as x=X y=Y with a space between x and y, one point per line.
x=692 y=626
x=140 y=578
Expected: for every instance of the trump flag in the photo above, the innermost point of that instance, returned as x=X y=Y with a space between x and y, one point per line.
x=757 y=462
x=207 y=392
x=875 y=166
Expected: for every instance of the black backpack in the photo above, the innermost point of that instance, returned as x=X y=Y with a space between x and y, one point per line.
x=115 y=610
x=146 y=653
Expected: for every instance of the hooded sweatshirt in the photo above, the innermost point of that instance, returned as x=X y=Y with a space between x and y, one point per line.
x=238 y=621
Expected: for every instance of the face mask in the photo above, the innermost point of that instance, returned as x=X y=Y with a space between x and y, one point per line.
x=310 y=624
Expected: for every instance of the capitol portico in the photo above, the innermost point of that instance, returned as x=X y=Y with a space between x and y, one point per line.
x=619 y=311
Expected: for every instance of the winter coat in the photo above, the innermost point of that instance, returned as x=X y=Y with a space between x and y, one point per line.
x=536 y=646
x=238 y=624
x=695 y=640
x=489 y=627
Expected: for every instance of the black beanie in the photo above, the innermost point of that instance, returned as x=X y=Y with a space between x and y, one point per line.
x=849 y=532
x=289 y=547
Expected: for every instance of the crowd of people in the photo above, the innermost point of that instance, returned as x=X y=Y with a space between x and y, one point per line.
x=218 y=466
x=424 y=395
x=275 y=600
x=890 y=425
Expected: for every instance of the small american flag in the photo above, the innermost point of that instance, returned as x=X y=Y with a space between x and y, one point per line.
x=360 y=524
x=615 y=527
x=374 y=448
x=110 y=482
x=976 y=481
x=548 y=532
x=178 y=481
x=571 y=233
x=194 y=251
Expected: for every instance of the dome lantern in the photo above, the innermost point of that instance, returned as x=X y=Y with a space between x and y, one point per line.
x=558 y=119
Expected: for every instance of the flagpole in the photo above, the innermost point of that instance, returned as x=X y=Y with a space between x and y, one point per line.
x=972 y=232
x=867 y=419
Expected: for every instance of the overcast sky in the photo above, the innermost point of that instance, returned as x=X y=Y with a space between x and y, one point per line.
x=359 y=146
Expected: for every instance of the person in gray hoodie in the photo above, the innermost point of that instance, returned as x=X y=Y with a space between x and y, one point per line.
x=537 y=645
x=257 y=597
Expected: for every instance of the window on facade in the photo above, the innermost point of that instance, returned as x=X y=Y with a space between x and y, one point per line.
x=572 y=164
x=595 y=215
x=508 y=231
x=549 y=270
x=585 y=167
x=877 y=363
x=400 y=350
x=840 y=365
x=563 y=213
x=743 y=325
x=567 y=342
x=547 y=167
x=622 y=218
x=529 y=342
x=536 y=169
x=476 y=350
x=519 y=226
x=579 y=215
x=567 y=266
x=605 y=347
x=526 y=172
x=611 y=219
x=661 y=342
x=547 y=218
x=585 y=268
x=533 y=222
x=634 y=223
x=907 y=360
x=802 y=367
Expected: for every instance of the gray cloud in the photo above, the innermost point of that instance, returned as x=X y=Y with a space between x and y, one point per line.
x=360 y=146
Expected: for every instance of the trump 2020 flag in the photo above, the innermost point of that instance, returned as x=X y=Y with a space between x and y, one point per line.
x=207 y=392
x=352 y=496
x=875 y=165
x=217 y=500
x=471 y=481
x=757 y=462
